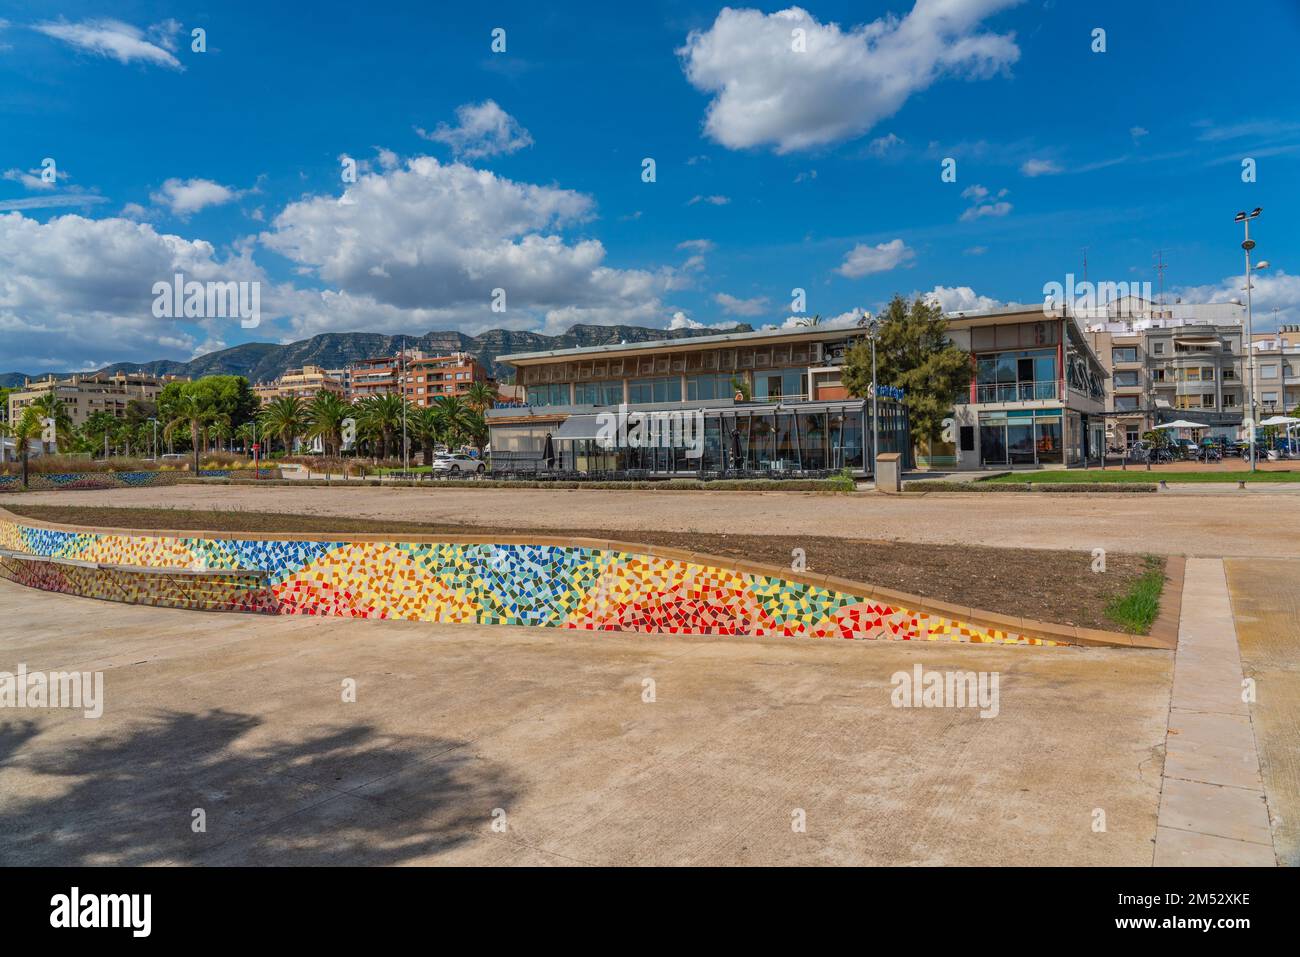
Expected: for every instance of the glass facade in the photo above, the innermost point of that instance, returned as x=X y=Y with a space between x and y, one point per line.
x=553 y=394
x=1016 y=376
x=598 y=393
x=665 y=389
x=755 y=439
x=708 y=387
x=1021 y=437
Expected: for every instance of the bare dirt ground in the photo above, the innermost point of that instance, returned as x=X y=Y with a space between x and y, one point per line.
x=1255 y=524
x=1047 y=585
x=550 y=732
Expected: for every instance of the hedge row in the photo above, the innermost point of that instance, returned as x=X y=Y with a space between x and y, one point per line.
x=668 y=485
x=938 y=486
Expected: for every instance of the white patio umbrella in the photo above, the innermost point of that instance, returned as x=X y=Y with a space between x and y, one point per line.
x=1287 y=422
x=1183 y=424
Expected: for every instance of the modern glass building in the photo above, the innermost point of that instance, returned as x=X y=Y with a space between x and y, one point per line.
x=765 y=402
x=1036 y=396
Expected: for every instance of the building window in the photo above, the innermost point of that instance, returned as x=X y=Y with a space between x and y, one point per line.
x=554 y=394
x=1127 y=379
x=704 y=387
x=1124 y=354
x=1268 y=372
x=1126 y=403
x=667 y=389
x=1158 y=348
x=599 y=393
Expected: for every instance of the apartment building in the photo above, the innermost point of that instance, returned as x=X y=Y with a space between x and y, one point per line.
x=1277 y=371
x=302 y=383
x=433 y=377
x=1169 y=363
x=379 y=375
x=84 y=395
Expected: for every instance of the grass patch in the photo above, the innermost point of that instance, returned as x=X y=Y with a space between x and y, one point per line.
x=1136 y=609
x=1135 y=474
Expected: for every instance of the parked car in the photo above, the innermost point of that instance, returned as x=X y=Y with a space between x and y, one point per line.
x=453 y=463
x=173 y=458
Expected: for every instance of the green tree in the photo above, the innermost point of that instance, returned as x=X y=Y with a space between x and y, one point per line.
x=188 y=411
x=455 y=419
x=912 y=352
x=284 y=418
x=97 y=429
x=50 y=406
x=324 y=419
x=426 y=427
x=480 y=396
x=27 y=428
x=378 y=417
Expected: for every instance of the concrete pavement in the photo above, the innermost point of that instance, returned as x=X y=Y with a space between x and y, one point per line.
x=748 y=751
x=1183 y=524
x=1213 y=810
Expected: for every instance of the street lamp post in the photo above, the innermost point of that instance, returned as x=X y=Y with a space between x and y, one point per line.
x=1248 y=244
x=401 y=382
x=873 y=329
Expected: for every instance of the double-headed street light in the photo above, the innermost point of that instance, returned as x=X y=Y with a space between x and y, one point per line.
x=1248 y=244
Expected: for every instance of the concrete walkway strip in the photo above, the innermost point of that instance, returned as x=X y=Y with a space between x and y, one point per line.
x=1212 y=804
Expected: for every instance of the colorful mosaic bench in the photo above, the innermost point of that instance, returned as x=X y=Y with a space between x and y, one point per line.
x=554 y=585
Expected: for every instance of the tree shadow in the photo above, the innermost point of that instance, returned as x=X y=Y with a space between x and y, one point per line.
x=338 y=795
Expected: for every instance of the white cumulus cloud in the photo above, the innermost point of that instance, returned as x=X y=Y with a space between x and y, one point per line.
x=864 y=260
x=774 y=86
x=482 y=130
x=186 y=196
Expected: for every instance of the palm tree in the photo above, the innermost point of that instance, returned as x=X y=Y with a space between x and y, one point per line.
x=379 y=416
x=325 y=417
x=190 y=411
x=97 y=428
x=30 y=426
x=50 y=406
x=426 y=427
x=476 y=429
x=455 y=418
x=480 y=396
x=809 y=320
x=284 y=418
x=246 y=435
x=220 y=429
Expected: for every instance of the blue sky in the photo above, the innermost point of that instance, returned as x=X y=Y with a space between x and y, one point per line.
x=775 y=168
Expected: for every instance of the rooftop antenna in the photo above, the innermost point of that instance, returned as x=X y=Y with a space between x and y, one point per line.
x=1161 y=266
x=1085 y=263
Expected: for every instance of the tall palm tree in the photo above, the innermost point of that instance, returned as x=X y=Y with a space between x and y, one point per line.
x=480 y=396
x=379 y=416
x=425 y=425
x=192 y=412
x=50 y=406
x=284 y=418
x=220 y=429
x=325 y=415
x=809 y=320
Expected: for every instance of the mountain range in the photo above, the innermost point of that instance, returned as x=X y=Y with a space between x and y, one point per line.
x=265 y=361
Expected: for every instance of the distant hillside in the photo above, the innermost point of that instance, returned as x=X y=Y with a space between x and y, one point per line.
x=264 y=361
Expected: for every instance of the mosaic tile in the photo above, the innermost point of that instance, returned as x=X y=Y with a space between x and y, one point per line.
x=537 y=585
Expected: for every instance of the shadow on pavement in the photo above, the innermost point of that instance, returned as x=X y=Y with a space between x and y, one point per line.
x=334 y=795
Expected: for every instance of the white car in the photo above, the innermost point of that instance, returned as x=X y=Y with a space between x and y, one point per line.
x=454 y=463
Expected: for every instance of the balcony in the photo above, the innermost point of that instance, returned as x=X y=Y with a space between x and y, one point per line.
x=1016 y=392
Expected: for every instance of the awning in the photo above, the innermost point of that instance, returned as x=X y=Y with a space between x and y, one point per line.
x=578 y=427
